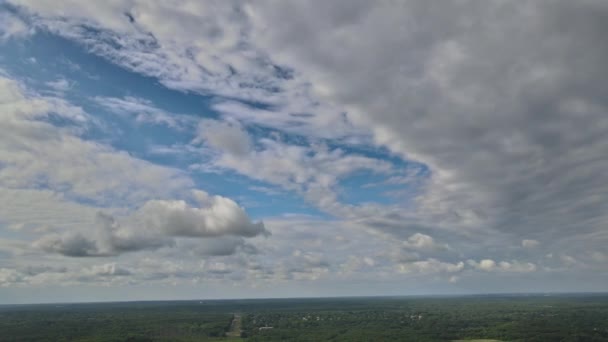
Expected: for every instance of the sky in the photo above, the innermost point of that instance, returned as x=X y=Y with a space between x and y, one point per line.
x=249 y=149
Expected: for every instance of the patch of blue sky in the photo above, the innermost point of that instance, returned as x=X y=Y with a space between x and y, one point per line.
x=365 y=186
x=10 y=232
x=258 y=198
x=400 y=165
x=57 y=57
x=45 y=58
x=380 y=153
x=284 y=137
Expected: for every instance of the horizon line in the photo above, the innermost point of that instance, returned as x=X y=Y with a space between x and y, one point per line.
x=454 y=295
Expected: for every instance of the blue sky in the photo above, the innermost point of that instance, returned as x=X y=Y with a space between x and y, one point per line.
x=44 y=62
x=233 y=149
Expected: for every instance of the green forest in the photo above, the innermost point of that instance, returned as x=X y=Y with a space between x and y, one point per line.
x=493 y=318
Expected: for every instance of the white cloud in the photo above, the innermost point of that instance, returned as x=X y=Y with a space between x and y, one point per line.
x=9 y=277
x=155 y=224
x=228 y=137
x=43 y=210
x=526 y=243
x=12 y=27
x=356 y=264
x=496 y=122
x=303 y=266
x=428 y=92
x=424 y=242
x=109 y=273
x=55 y=183
x=437 y=94
x=599 y=256
x=430 y=266
x=144 y=111
x=568 y=260
x=202 y=47
x=216 y=216
x=60 y=85
x=37 y=154
x=69 y=244
x=313 y=171
x=196 y=45
x=110 y=269
x=294 y=116
x=515 y=266
x=218 y=246
x=486 y=265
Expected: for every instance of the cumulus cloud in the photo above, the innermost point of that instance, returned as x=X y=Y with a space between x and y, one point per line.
x=430 y=266
x=157 y=223
x=485 y=264
x=36 y=154
x=424 y=242
x=75 y=245
x=216 y=216
x=490 y=265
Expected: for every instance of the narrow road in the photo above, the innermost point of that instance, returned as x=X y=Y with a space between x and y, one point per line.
x=235 y=326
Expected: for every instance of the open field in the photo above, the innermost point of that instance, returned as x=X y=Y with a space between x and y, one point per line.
x=470 y=318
